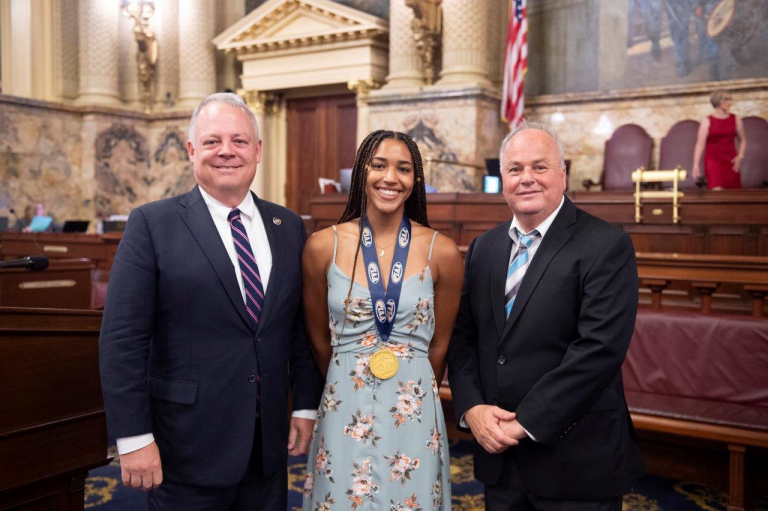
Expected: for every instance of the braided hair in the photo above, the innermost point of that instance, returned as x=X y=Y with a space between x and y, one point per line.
x=415 y=205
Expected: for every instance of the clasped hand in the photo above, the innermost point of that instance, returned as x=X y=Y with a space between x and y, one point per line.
x=494 y=428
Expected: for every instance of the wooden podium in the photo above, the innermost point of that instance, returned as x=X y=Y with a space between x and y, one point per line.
x=66 y=284
x=52 y=423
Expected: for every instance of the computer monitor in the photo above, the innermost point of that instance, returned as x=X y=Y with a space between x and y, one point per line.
x=75 y=226
x=40 y=223
x=492 y=167
x=113 y=226
x=345 y=179
x=491 y=184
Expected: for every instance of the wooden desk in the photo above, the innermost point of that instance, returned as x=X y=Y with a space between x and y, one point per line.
x=66 y=284
x=52 y=423
x=98 y=248
x=728 y=222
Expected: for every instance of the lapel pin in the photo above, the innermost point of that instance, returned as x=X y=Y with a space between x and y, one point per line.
x=276 y=221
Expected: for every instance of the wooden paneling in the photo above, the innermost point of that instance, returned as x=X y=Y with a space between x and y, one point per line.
x=66 y=284
x=662 y=238
x=52 y=422
x=321 y=139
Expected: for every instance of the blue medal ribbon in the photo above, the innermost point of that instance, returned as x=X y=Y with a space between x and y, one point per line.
x=385 y=303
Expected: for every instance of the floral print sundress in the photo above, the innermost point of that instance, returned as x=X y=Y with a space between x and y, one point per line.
x=379 y=444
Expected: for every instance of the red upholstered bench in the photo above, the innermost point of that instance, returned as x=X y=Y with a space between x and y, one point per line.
x=701 y=376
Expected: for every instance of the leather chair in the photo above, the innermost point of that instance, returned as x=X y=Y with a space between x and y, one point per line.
x=754 y=167
x=628 y=149
x=677 y=148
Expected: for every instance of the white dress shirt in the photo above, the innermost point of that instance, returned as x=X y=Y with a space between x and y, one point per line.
x=543 y=227
x=257 y=235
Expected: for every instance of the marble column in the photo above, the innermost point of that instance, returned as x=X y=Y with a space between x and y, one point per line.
x=498 y=23
x=66 y=50
x=406 y=70
x=197 y=67
x=362 y=88
x=228 y=69
x=264 y=105
x=465 y=42
x=167 y=70
x=128 y=72
x=99 y=21
x=612 y=54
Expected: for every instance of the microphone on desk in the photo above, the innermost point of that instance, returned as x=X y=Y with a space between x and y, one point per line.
x=31 y=263
x=13 y=212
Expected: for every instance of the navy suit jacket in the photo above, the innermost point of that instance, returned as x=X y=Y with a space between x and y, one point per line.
x=556 y=361
x=178 y=355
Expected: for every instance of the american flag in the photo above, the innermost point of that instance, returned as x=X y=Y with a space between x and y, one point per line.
x=515 y=63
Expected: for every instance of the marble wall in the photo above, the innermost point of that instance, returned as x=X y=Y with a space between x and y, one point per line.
x=88 y=163
x=460 y=125
x=586 y=121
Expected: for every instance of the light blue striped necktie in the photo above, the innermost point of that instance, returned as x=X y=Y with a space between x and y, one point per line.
x=517 y=267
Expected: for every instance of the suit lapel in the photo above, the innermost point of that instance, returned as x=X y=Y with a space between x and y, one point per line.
x=277 y=247
x=499 y=263
x=556 y=237
x=197 y=218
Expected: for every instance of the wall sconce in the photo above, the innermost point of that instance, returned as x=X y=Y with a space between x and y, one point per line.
x=141 y=11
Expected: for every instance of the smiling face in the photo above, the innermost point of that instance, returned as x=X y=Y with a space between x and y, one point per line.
x=225 y=152
x=533 y=179
x=390 y=177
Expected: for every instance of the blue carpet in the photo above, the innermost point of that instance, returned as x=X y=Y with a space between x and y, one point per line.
x=105 y=491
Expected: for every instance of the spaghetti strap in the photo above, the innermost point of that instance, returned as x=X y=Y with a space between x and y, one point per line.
x=335 y=243
x=431 y=246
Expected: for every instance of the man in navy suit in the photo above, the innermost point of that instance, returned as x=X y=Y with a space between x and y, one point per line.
x=203 y=334
x=547 y=312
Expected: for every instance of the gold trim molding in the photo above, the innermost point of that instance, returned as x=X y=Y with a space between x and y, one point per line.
x=262 y=103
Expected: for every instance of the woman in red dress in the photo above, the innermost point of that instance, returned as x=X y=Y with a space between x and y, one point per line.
x=716 y=139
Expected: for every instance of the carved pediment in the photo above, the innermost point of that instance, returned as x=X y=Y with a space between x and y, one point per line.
x=280 y=24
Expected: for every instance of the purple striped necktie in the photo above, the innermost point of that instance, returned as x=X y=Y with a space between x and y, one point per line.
x=249 y=270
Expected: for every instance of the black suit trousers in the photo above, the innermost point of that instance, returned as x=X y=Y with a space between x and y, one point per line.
x=510 y=494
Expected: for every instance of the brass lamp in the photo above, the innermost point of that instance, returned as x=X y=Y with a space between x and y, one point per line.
x=141 y=11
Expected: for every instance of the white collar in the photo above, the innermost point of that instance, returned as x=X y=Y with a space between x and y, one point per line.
x=543 y=227
x=219 y=210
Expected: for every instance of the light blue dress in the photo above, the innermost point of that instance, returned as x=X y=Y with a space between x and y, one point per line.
x=379 y=444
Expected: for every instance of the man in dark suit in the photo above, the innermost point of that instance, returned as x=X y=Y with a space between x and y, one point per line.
x=547 y=312
x=203 y=333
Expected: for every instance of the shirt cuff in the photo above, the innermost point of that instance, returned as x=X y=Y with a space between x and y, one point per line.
x=305 y=414
x=527 y=433
x=134 y=443
x=462 y=422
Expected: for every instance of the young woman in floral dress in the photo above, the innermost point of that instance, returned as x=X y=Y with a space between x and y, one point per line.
x=380 y=440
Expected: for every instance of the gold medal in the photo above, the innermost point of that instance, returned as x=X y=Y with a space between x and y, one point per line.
x=384 y=364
